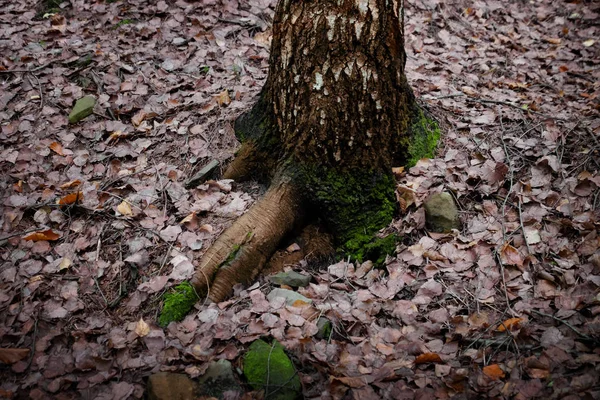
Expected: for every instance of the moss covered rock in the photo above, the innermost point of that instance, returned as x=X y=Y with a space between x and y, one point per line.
x=268 y=368
x=177 y=303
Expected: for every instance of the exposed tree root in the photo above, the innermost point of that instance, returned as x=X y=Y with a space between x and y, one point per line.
x=242 y=250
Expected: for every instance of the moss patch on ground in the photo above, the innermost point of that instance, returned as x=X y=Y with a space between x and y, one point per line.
x=422 y=139
x=268 y=368
x=177 y=303
x=354 y=205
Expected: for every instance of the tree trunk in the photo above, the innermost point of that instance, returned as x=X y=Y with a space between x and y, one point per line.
x=334 y=116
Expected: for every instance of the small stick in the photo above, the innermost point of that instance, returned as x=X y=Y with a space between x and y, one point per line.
x=583 y=335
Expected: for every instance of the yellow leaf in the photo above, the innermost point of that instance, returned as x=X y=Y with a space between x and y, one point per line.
x=64 y=264
x=553 y=40
x=589 y=42
x=142 y=328
x=125 y=209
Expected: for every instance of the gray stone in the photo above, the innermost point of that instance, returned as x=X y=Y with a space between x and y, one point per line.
x=289 y=295
x=83 y=107
x=170 y=386
x=292 y=278
x=325 y=328
x=441 y=213
x=218 y=379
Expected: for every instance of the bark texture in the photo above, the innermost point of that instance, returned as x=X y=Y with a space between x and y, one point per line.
x=336 y=87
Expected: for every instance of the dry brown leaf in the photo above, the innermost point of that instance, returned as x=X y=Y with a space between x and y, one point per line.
x=57 y=148
x=511 y=256
x=493 y=371
x=510 y=324
x=71 y=184
x=71 y=198
x=223 y=98
x=11 y=356
x=428 y=358
x=43 y=235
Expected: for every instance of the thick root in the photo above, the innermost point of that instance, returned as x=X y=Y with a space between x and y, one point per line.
x=242 y=250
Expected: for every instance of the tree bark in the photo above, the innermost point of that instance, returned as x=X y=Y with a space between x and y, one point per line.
x=336 y=113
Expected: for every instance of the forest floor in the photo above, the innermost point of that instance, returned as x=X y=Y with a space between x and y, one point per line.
x=96 y=223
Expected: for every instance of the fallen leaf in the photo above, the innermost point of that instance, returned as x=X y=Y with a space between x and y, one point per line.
x=589 y=42
x=11 y=356
x=57 y=148
x=428 y=358
x=553 y=40
x=510 y=324
x=493 y=371
x=71 y=198
x=223 y=98
x=125 y=209
x=142 y=328
x=43 y=235
x=71 y=184
x=510 y=256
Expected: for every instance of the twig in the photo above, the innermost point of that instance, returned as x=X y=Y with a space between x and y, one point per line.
x=100 y=290
x=523 y=227
x=583 y=335
x=33 y=340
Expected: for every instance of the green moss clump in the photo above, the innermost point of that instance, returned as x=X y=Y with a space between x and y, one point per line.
x=177 y=303
x=267 y=367
x=355 y=205
x=422 y=139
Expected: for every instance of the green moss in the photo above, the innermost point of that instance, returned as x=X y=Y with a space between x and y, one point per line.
x=354 y=205
x=422 y=139
x=268 y=368
x=177 y=303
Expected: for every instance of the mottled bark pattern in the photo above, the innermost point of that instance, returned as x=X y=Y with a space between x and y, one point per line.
x=336 y=82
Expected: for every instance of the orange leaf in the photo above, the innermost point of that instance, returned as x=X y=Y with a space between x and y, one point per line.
x=510 y=324
x=71 y=198
x=11 y=356
x=493 y=371
x=43 y=235
x=428 y=358
x=57 y=148
x=71 y=184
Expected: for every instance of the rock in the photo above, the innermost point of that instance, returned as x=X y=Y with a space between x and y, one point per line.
x=170 y=386
x=218 y=379
x=289 y=295
x=83 y=107
x=441 y=213
x=325 y=327
x=292 y=278
x=268 y=368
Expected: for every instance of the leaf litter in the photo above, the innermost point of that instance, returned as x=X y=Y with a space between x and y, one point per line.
x=96 y=222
